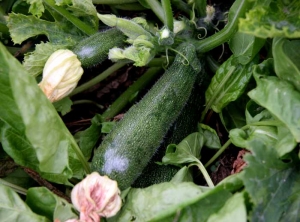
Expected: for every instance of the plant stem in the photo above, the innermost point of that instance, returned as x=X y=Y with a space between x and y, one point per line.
x=157 y=9
x=129 y=7
x=182 y=6
x=80 y=156
x=201 y=7
x=16 y=188
x=84 y=101
x=204 y=173
x=113 y=2
x=168 y=14
x=71 y=18
x=98 y=78
x=220 y=151
x=125 y=98
x=242 y=6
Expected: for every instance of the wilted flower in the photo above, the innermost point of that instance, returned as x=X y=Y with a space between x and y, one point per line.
x=61 y=74
x=96 y=196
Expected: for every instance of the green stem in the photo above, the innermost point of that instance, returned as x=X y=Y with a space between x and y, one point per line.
x=204 y=173
x=201 y=7
x=16 y=188
x=98 y=78
x=213 y=65
x=125 y=98
x=220 y=151
x=80 y=156
x=157 y=9
x=216 y=93
x=84 y=101
x=71 y=18
x=129 y=7
x=168 y=14
x=113 y=2
x=225 y=34
x=182 y=6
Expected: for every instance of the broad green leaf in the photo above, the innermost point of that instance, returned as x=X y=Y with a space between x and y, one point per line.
x=233 y=210
x=233 y=182
x=35 y=61
x=158 y=201
x=34 y=135
x=279 y=18
x=286 y=60
x=36 y=7
x=272 y=184
x=233 y=115
x=46 y=203
x=241 y=138
x=83 y=9
x=211 y=137
x=19 y=178
x=63 y=106
x=22 y=27
x=211 y=202
x=227 y=84
x=286 y=142
x=281 y=99
x=12 y=207
x=183 y=175
x=256 y=113
x=89 y=137
x=245 y=46
x=187 y=151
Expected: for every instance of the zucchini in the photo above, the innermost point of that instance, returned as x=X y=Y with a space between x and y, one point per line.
x=127 y=149
x=94 y=49
x=186 y=123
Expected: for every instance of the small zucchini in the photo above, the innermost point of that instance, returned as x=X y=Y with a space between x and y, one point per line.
x=94 y=49
x=128 y=148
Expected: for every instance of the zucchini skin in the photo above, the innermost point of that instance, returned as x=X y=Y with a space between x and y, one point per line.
x=186 y=123
x=94 y=49
x=127 y=149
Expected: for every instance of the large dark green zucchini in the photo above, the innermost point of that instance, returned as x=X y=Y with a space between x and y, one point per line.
x=186 y=123
x=127 y=149
x=94 y=49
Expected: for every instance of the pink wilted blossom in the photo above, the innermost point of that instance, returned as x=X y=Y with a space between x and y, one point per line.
x=95 y=197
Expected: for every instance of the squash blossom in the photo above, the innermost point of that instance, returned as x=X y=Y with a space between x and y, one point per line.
x=95 y=197
x=61 y=74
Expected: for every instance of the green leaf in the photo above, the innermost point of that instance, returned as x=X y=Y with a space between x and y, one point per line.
x=83 y=9
x=278 y=18
x=63 y=106
x=35 y=61
x=12 y=208
x=233 y=210
x=22 y=27
x=44 y=202
x=211 y=202
x=281 y=99
x=34 y=135
x=211 y=137
x=233 y=115
x=286 y=60
x=157 y=201
x=183 y=175
x=36 y=7
x=19 y=178
x=272 y=184
x=187 y=151
x=89 y=137
x=245 y=46
x=227 y=84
